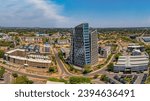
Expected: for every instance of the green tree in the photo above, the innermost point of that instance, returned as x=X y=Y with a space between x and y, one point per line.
x=2 y=71
x=22 y=80
x=60 y=54
x=45 y=40
x=71 y=67
x=17 y=40
x=147 y=49
x=79 y=80
x=2 y=53
x=117 y=56
x=15 y=75
x=11 y=45
x=52 y=69
x=104 y=78
x=57 y=80
x=110 y=67
x=87 y=69
x=99 y=66
x=96 y=76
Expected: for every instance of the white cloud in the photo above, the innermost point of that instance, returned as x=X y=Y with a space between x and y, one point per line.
x=50 y=9
x=31 y=13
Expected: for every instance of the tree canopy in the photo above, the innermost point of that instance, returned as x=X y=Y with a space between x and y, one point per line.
x=22 y=80
x=2 y=71
x=79 y=80
x=2 y=53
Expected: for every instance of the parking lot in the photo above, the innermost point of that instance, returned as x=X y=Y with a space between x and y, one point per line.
x=128 y=79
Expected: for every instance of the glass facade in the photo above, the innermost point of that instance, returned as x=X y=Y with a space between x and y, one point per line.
x=81 y=45
x=86 y=38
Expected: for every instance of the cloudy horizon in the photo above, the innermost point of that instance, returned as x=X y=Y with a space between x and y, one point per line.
x=68 y=13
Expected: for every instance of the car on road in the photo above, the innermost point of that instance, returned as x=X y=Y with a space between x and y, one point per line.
x=116 y=77
x=122 y=81
x=111 y=81
x=144 y=78
x=134 y=79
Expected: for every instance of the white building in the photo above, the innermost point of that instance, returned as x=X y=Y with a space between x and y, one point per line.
x=39 y=34
x=136 y=52
x=132 y=63
x=105 y=51
x=63 y=42
x=21 y=57
x=133 y=46
x=66 y=52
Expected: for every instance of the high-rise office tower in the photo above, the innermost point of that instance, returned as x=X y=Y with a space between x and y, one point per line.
x=84 y=49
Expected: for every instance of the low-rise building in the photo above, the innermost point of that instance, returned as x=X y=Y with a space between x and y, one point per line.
x=31 y=48
x=104 y=51
x=1 y=34
x=63 y=42
x=133 y=46
x=13 y=33
x=66 y=52
x=136 y=52
x=40 y=34
x=56 y=35
x=133 y=36
x=136 y=60
x=46 y=48
x=22 y=57
x=5 y=37
x=32 y=39
x=132 y=64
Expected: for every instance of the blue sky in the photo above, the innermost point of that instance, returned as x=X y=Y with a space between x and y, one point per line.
x=68 y=13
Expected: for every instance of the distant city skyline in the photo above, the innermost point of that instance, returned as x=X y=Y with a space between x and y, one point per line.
x=68 y=13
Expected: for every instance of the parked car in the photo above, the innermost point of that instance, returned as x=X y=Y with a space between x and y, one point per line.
x=144 y=78
x=116 y=77
x=122 y=81
x=134 y=79
x=111 y=81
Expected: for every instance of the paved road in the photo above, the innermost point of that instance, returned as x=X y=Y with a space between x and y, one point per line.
x=65 y=72
x=7 y=78
x=62 y=69
x=61 y=65
x=139 y=79
x=139 y=39
x=103 y=69
x=117 y=82
x=97 y=81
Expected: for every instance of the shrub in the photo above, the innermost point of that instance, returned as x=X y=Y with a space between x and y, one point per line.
x=52 y=69
x=104 y=78
x=22 y=80
x=15 y=75
x=110 y=67
x=79 y=80
x=2 y=71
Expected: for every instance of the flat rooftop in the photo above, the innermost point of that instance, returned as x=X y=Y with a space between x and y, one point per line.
x=131 y=61
x=146 y=39
x=31 y=58
x=65 y=50
x=9 y=52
